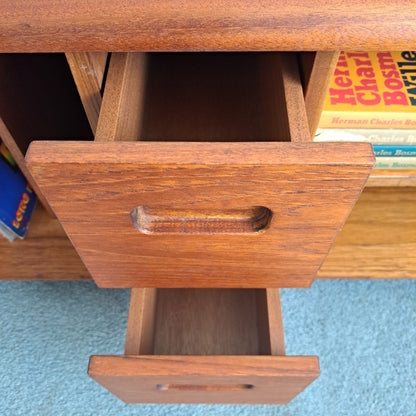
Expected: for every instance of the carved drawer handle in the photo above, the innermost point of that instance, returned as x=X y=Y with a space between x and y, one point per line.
x=154 y=220
x=204 y=387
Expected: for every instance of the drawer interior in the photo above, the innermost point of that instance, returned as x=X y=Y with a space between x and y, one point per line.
x=208 y=97
x=207 y=322
x=203 y=97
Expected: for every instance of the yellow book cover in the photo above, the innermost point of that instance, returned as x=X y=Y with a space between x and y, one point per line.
x=373 y=90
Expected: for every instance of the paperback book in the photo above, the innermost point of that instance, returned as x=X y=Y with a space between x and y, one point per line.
x=17 y=199
x=395 y=163
x=394 y=151
x=372 y=90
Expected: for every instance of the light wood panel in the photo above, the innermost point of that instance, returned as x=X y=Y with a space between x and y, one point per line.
x=392 y=177
x=45 y=253
x=379 y=239
x=108 y=25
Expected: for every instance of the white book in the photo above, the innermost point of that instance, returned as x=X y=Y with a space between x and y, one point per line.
x=395 y=162
x=374 y=136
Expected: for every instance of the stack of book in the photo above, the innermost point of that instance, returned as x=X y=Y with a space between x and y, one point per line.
x=17 y=199
x=372 y=98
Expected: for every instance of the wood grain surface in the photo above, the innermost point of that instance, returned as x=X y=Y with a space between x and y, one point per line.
x=204 y=379
x=207 y=322
x=45 y=254
x=378 y=241
x=274 y=320
x=88 y=70
x=392 y=177
x=318 y=70
x=174 y=25
x=122 y=109
x=93 y=187
x=203 y=97
x=141 y=323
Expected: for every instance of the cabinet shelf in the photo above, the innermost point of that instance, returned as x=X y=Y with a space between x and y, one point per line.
x=392 y=177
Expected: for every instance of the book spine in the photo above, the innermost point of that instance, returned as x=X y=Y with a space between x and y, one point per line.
x=394 y=151
x=395 y=163
x=367 y=120
x=374 y=136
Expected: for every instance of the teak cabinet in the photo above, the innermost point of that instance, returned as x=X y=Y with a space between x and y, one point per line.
x=212 y=207
x=202 y=189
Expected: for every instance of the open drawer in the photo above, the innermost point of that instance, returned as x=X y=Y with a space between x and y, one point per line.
x=204 y=346
x=224 y=188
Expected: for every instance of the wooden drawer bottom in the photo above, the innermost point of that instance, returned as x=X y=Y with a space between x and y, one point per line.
x=204 y=346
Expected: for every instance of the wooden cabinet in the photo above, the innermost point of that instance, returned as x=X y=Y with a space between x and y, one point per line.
x=202 y=175
x=213 y=196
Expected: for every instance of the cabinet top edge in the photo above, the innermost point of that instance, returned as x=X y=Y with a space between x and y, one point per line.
x=217 y=25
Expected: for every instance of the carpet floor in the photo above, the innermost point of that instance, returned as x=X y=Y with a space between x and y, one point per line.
x=364 y=333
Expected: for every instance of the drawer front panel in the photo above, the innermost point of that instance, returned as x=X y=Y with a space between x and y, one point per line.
x=204 y=379
x=201 y=214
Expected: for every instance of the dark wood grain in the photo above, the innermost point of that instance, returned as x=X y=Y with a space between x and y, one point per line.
x=39 y=99
x=131 y=25
x=93 y=187
x=203 y=97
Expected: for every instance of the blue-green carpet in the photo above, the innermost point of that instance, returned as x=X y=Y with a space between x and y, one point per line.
x=364 y=333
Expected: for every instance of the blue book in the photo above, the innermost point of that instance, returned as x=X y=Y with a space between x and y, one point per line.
x=17 y=199
x=394 y=150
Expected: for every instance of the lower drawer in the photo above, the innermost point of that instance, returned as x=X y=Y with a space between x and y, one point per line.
x=204 y=346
